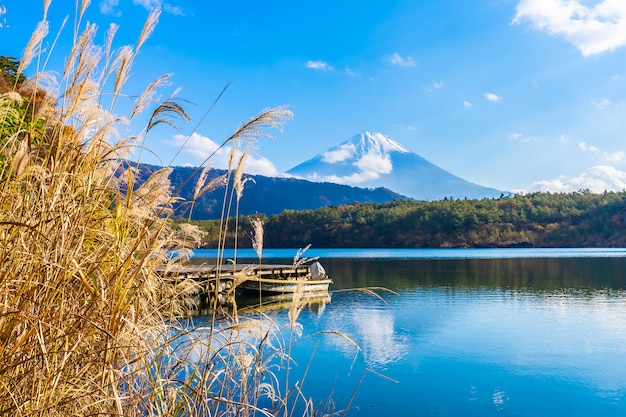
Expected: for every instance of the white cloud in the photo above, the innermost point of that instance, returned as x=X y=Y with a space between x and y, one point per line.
x=398 y=60
x=319 y=66
x=175 y=10
x=150 y=4
x=434 y=86
x=522 y=138
x=147 y=4
x=109 y=7
x=375 y=164
x=601 y=103
x=3 y=14
x=410 y=128
x=467 y=104
x=597 y=179
x=615 y=156
x=340 y=154
x=591 y=29
x=260 y=166
x=202 y=147
x=606 y=156
x=588 y=148
x=517 y=137
x=369 y=166
x=494 y=98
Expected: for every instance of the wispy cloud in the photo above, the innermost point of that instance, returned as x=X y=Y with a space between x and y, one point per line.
x=410 y=128
x=175 y=10
x=597 y=179
x=375 y=164
x=588 y=148
x=601 y=103
x=494 y=98
x=319 y=66
x=203 y=147
x=434 y=86
x=148 y=4
x=3 y=16
x=606 y=156
x=467 y=104
x=368 y=167
x=110 y=7
x=591 y=29
x=400 y=61
x=339 y=154
x=520 y=137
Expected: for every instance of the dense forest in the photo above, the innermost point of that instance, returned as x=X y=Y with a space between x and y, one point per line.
x=579 y=219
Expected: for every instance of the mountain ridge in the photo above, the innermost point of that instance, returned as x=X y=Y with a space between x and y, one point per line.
x=263 y=195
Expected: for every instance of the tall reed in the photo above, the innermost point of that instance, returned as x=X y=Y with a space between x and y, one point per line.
x=87 y=324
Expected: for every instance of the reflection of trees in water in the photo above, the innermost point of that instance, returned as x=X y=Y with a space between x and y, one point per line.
x=534 y=274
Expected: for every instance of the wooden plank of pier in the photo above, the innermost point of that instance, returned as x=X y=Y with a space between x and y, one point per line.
x=225 y=272
x=221 y=281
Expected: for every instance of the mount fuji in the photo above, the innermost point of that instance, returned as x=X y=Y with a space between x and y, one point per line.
x=371 y=160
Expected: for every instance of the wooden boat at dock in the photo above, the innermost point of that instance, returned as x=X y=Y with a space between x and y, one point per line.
x=283 y=285
x=283 y=279
x=266 y=278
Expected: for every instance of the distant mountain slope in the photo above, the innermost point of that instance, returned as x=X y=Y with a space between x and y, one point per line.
x=268 y=195
x=375 y=160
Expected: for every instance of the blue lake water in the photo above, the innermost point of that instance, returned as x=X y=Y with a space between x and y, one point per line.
x=468 y=332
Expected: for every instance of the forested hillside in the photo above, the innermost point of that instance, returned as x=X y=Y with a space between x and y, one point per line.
x=580 y=219
x=261 y=194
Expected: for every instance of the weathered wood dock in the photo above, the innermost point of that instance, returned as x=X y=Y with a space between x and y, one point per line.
x=224 y=280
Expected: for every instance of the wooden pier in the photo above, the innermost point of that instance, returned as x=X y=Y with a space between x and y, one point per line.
x=225 y=280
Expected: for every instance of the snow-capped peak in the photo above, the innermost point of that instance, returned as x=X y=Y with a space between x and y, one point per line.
x=372 y=141
x=375 y=160
x=363 y=144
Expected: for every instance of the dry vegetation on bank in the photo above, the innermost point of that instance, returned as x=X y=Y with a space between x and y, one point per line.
x=86 y=325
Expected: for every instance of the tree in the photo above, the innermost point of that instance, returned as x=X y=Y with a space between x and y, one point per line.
x=8 y=71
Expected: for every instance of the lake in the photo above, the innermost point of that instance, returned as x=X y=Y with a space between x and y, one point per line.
x=468 y=332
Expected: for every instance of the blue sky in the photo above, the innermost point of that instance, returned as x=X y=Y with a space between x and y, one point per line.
x=511 y=94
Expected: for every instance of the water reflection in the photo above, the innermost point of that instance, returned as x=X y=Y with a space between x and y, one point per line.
x=375 y=332
x=313 y=301
x=473 y=337
x=540 y=274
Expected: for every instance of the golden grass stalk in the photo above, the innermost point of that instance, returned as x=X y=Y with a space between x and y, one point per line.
x=257 y=237
x=88 y=323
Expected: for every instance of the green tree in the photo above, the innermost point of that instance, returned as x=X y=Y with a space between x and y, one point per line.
x=9 y=66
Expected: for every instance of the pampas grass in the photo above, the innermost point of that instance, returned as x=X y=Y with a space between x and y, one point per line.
x=88 y=325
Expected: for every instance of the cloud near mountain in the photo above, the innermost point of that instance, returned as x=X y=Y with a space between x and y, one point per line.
x=596 y=179
x=202 y=147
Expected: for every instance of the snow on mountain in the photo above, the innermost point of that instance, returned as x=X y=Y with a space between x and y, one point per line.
x=371 y=160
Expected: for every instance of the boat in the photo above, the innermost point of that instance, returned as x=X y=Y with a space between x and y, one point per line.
x=284 y=279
